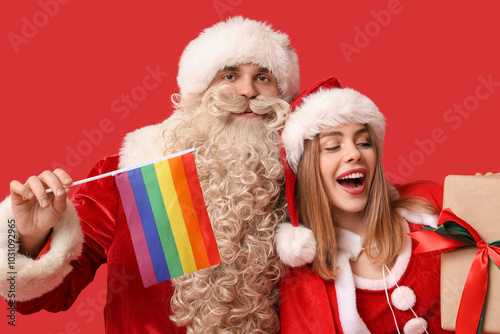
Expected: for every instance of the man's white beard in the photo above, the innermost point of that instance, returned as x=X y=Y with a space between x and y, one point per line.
x=242 y=177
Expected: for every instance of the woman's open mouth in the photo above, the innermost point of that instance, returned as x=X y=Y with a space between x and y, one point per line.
x=353 y=181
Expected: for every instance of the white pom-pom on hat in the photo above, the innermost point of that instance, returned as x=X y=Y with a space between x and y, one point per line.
x=296 y=246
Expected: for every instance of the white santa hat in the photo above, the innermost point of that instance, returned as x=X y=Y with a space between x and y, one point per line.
x=238 y=41
x=323 y=105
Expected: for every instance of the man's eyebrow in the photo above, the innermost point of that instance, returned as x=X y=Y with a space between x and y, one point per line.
x=230 y=69
x=263 y=70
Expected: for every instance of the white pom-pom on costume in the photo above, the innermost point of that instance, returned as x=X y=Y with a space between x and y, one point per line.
x=296 y=246
x=403 y=298
x=415 y=326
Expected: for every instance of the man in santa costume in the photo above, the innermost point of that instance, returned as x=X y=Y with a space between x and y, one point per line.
x=236 y=79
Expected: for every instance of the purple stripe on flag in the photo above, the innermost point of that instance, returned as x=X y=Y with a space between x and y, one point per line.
x=136 y=231
x=149 y=225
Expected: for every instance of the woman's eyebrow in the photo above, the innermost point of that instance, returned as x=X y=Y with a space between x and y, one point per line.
x=360 y=131
x=338 y=133
x=331 y=133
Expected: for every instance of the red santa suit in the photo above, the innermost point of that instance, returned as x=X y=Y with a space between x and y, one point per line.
x=93 y=229
x=352 y=304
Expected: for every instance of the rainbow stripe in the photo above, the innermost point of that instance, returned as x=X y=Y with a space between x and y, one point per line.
x=168 y=221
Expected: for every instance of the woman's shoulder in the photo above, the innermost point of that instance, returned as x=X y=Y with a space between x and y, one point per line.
x=429 y=190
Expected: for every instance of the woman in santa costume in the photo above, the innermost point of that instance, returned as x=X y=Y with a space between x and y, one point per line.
x=351 y=264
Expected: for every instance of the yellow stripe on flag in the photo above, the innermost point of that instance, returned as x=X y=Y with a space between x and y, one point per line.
x=174 y=212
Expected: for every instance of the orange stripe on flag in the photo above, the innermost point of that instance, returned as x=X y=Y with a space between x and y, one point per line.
x=201 y=210
x=188 y=212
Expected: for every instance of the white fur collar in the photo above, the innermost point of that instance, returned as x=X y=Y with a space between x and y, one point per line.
x=350 y=242
x=146 y=143
x=346 y=282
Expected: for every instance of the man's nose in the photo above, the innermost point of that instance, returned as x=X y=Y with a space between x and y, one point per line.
x=246 y=87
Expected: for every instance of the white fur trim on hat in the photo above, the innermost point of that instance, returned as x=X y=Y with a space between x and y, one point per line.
x=32 y=277
x=329 y=108
x=296 y=246
x=238 y=41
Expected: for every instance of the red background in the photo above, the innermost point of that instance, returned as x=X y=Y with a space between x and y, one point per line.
x=415 y=59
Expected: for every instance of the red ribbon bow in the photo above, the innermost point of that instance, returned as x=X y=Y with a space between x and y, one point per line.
x=454 y=233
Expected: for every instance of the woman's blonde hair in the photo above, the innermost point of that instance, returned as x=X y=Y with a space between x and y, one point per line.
x=384 y=225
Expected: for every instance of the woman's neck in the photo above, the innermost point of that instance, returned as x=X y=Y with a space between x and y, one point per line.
x=351 y=221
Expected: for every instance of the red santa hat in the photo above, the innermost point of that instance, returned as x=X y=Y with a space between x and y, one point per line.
x=238 y=41
x=323 y=105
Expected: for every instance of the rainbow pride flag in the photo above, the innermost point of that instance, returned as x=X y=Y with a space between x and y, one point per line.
x=168 y=221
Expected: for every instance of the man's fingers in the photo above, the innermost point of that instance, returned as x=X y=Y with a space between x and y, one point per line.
x=38 y=188
x=63 y=176
x=19 y=190
x=61 y=192
x=52 y=181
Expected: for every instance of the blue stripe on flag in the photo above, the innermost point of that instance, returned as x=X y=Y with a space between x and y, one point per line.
x=149 y=225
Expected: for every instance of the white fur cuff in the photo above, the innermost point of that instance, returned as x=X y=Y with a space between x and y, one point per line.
x=23 y=278
x=296 y=246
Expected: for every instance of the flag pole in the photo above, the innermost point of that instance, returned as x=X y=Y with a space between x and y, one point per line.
x=126 y=169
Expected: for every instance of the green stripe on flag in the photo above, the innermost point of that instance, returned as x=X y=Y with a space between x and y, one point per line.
x=162 y=221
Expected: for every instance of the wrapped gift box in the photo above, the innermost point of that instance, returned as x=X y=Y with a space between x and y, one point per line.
x=475 y=199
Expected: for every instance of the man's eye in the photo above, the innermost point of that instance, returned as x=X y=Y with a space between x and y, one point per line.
x=228 y=76
x=263 y=78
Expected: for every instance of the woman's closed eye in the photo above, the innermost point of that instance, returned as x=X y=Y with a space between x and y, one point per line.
x=332 y=148
x=365 y=144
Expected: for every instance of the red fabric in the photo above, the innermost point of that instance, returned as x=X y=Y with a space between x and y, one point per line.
x=130 y=308
x=303 y=306
x=46 y=247
x=308 y=304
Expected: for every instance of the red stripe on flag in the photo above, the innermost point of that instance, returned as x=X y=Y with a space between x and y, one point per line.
x=200 y=208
